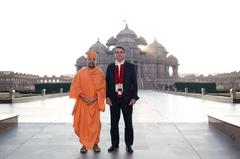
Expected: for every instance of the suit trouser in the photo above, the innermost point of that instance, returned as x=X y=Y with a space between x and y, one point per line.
x=115 y=111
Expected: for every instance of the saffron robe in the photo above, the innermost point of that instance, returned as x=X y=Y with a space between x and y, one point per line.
x=88 y=83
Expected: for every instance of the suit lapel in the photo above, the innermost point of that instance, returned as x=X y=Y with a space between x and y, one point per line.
x=125 y=71
x=113 y=72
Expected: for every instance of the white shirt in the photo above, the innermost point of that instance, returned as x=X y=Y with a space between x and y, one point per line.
x=119 y=65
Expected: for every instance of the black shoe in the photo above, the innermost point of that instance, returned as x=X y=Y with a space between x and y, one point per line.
x=96 y=148
x=112 y=148
x=83 y=149
x=129 y=149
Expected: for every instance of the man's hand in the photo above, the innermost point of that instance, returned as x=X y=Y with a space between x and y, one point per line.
x=108 y=101
x=132 y=102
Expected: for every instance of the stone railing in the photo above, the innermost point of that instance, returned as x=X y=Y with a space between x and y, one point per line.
x=234 y=94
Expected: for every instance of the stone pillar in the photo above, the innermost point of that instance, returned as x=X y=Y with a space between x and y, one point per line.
x=186 y=90
x=163 y=88
x=139 y=75
x=203 y=90
x=139 y=69
x=232 y=93
x=168 y=88
x=61 y=90
x=43 y=92
x=175 y=72
x=11 y=94
x=175 y=89
x=167 y=71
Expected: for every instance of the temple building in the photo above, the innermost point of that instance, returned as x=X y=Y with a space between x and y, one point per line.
x=224 y=81
x=154 y=66
x=10 y=80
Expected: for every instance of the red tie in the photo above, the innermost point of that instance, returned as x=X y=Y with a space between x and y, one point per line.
x=119 y=79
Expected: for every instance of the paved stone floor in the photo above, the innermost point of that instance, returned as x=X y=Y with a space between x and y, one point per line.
x=165 y=126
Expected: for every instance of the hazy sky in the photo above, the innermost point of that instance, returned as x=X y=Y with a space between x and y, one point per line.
x=47 y=36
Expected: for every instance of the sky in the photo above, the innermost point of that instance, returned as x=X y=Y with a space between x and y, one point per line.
x=45 y=37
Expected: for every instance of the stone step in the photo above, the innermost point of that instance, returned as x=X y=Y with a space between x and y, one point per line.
x=229 y=124
x=7 y=120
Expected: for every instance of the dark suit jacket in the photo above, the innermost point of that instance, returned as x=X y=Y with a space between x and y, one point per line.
x=130 y=87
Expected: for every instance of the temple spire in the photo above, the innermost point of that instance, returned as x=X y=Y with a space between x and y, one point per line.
x=126 y=25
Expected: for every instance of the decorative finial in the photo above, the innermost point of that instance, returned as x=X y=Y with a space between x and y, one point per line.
x=125 y=21
x=98 y=39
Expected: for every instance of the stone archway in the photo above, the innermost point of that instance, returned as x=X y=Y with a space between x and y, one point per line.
x=170 y=71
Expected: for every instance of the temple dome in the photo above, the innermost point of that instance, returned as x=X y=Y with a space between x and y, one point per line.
x=172 y=59
x=127 y=33
x=129 y=40
x=81 y=60
x=111 y=41
x=156 y=47
x=141 y=41
x=162 y=57
x=127 y=43
x=98 y=47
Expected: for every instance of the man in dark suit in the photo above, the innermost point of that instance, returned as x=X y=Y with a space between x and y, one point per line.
x=121 y=95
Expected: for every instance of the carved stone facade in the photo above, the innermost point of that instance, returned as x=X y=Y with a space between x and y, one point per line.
x=10 y=80
x=152 y=63
x=16 y=81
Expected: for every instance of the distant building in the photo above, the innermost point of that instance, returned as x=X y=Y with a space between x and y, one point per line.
x=224 y=81
x=10 y=80
x=154 y=68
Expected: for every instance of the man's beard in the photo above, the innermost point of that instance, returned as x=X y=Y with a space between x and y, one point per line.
x=91 y=65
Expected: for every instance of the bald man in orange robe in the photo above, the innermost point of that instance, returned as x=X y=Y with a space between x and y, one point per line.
x=88 y=88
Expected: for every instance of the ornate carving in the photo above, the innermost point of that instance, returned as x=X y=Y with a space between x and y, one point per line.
x=152 y=64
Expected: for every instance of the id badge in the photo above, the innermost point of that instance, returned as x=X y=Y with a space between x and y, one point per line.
x=118 y=87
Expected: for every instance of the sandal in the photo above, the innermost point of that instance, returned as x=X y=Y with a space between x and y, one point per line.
x=96 y=148
x=83 y=149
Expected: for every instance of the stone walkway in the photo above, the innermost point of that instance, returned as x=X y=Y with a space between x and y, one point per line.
x=165 y=126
